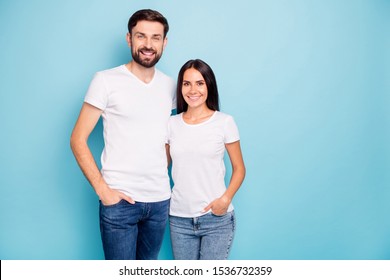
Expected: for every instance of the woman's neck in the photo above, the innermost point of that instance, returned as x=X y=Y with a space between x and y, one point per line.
x=197 y=115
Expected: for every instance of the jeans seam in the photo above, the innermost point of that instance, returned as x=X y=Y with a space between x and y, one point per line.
x=233 y=221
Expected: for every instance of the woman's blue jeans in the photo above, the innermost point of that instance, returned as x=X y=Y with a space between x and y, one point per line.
x=133 y=231
x=208 y=237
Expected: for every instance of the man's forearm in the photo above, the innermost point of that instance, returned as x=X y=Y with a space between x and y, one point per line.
x=88 y=165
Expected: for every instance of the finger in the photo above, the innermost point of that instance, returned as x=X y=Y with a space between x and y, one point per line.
x=219 y=213
x=128 y=199
x=208 y=207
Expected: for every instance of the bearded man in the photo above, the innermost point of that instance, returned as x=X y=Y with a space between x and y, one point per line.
x=135 y=101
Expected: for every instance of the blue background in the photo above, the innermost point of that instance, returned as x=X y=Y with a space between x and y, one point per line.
x=308 y=83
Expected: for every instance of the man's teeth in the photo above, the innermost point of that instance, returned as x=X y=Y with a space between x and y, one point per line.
x=147 y=53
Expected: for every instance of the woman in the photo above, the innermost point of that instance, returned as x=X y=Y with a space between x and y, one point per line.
x=202 y=220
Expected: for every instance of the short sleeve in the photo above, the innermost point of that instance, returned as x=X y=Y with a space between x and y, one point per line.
x=173 y=94
x=97 y=94
x=231 y=133
x=168 y=136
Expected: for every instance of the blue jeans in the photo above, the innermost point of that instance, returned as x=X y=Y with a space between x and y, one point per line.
x=133 y=231
x=208 y=237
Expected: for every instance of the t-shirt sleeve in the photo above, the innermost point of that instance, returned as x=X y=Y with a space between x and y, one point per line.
x=97 y=94
x=231 y=133
x=174 y=96
x=168 y=136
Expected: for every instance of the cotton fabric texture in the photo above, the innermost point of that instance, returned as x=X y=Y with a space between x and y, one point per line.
x=135 y=116
x=198 y=169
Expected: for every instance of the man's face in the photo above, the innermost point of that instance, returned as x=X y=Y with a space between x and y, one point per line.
x=147 y=42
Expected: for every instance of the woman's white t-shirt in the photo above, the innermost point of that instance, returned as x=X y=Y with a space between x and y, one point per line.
x=198 y=169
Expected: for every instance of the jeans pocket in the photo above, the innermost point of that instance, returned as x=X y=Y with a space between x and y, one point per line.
x=111 y=205
x=215 y=215
x=227 y=218
x=114 y=214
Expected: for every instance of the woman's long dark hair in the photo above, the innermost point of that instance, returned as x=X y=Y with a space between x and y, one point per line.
x=212 y=101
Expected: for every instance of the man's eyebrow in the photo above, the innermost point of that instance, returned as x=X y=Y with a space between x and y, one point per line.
x=153 y=35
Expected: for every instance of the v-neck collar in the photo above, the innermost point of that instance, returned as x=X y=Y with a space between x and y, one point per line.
x=138 y=79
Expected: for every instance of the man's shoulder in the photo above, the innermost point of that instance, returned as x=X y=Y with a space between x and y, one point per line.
x=175 y=118
x=112 y=71
x=163 y=76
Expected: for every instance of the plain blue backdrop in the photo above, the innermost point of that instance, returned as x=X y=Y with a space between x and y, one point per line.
x=308 y=83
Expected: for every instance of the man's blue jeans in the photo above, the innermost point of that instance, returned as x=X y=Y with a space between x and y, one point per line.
x=133 y=231
x=208 y=237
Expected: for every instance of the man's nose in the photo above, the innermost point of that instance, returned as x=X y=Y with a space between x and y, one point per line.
x=148 y=43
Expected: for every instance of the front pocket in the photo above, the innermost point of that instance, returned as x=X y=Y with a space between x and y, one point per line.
x=112 y=205
x=219 y=216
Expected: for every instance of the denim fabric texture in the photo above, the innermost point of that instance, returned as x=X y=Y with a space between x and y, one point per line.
x=133 y=231
x=208 y=237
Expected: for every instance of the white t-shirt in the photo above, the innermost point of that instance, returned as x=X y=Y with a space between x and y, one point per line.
x=135 y=116
x=198 y=169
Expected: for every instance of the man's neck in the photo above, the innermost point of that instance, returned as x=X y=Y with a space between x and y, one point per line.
x=141 y=72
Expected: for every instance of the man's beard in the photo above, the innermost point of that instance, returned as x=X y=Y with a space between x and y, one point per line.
x=147 y=63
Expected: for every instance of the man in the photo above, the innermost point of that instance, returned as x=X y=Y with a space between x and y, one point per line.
x=135 y=101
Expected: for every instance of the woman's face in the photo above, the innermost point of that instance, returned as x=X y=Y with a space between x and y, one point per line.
x=194 y=88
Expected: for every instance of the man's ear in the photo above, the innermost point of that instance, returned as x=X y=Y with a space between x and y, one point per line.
x=165 y=42
x=128 y=39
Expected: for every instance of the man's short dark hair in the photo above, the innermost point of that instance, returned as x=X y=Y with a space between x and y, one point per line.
x=148 y=15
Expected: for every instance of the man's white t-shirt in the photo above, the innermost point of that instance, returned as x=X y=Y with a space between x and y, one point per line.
x=198 y=169
x=135 y=116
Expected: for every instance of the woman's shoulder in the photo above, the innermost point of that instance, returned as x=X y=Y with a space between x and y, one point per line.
x=223 y=116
